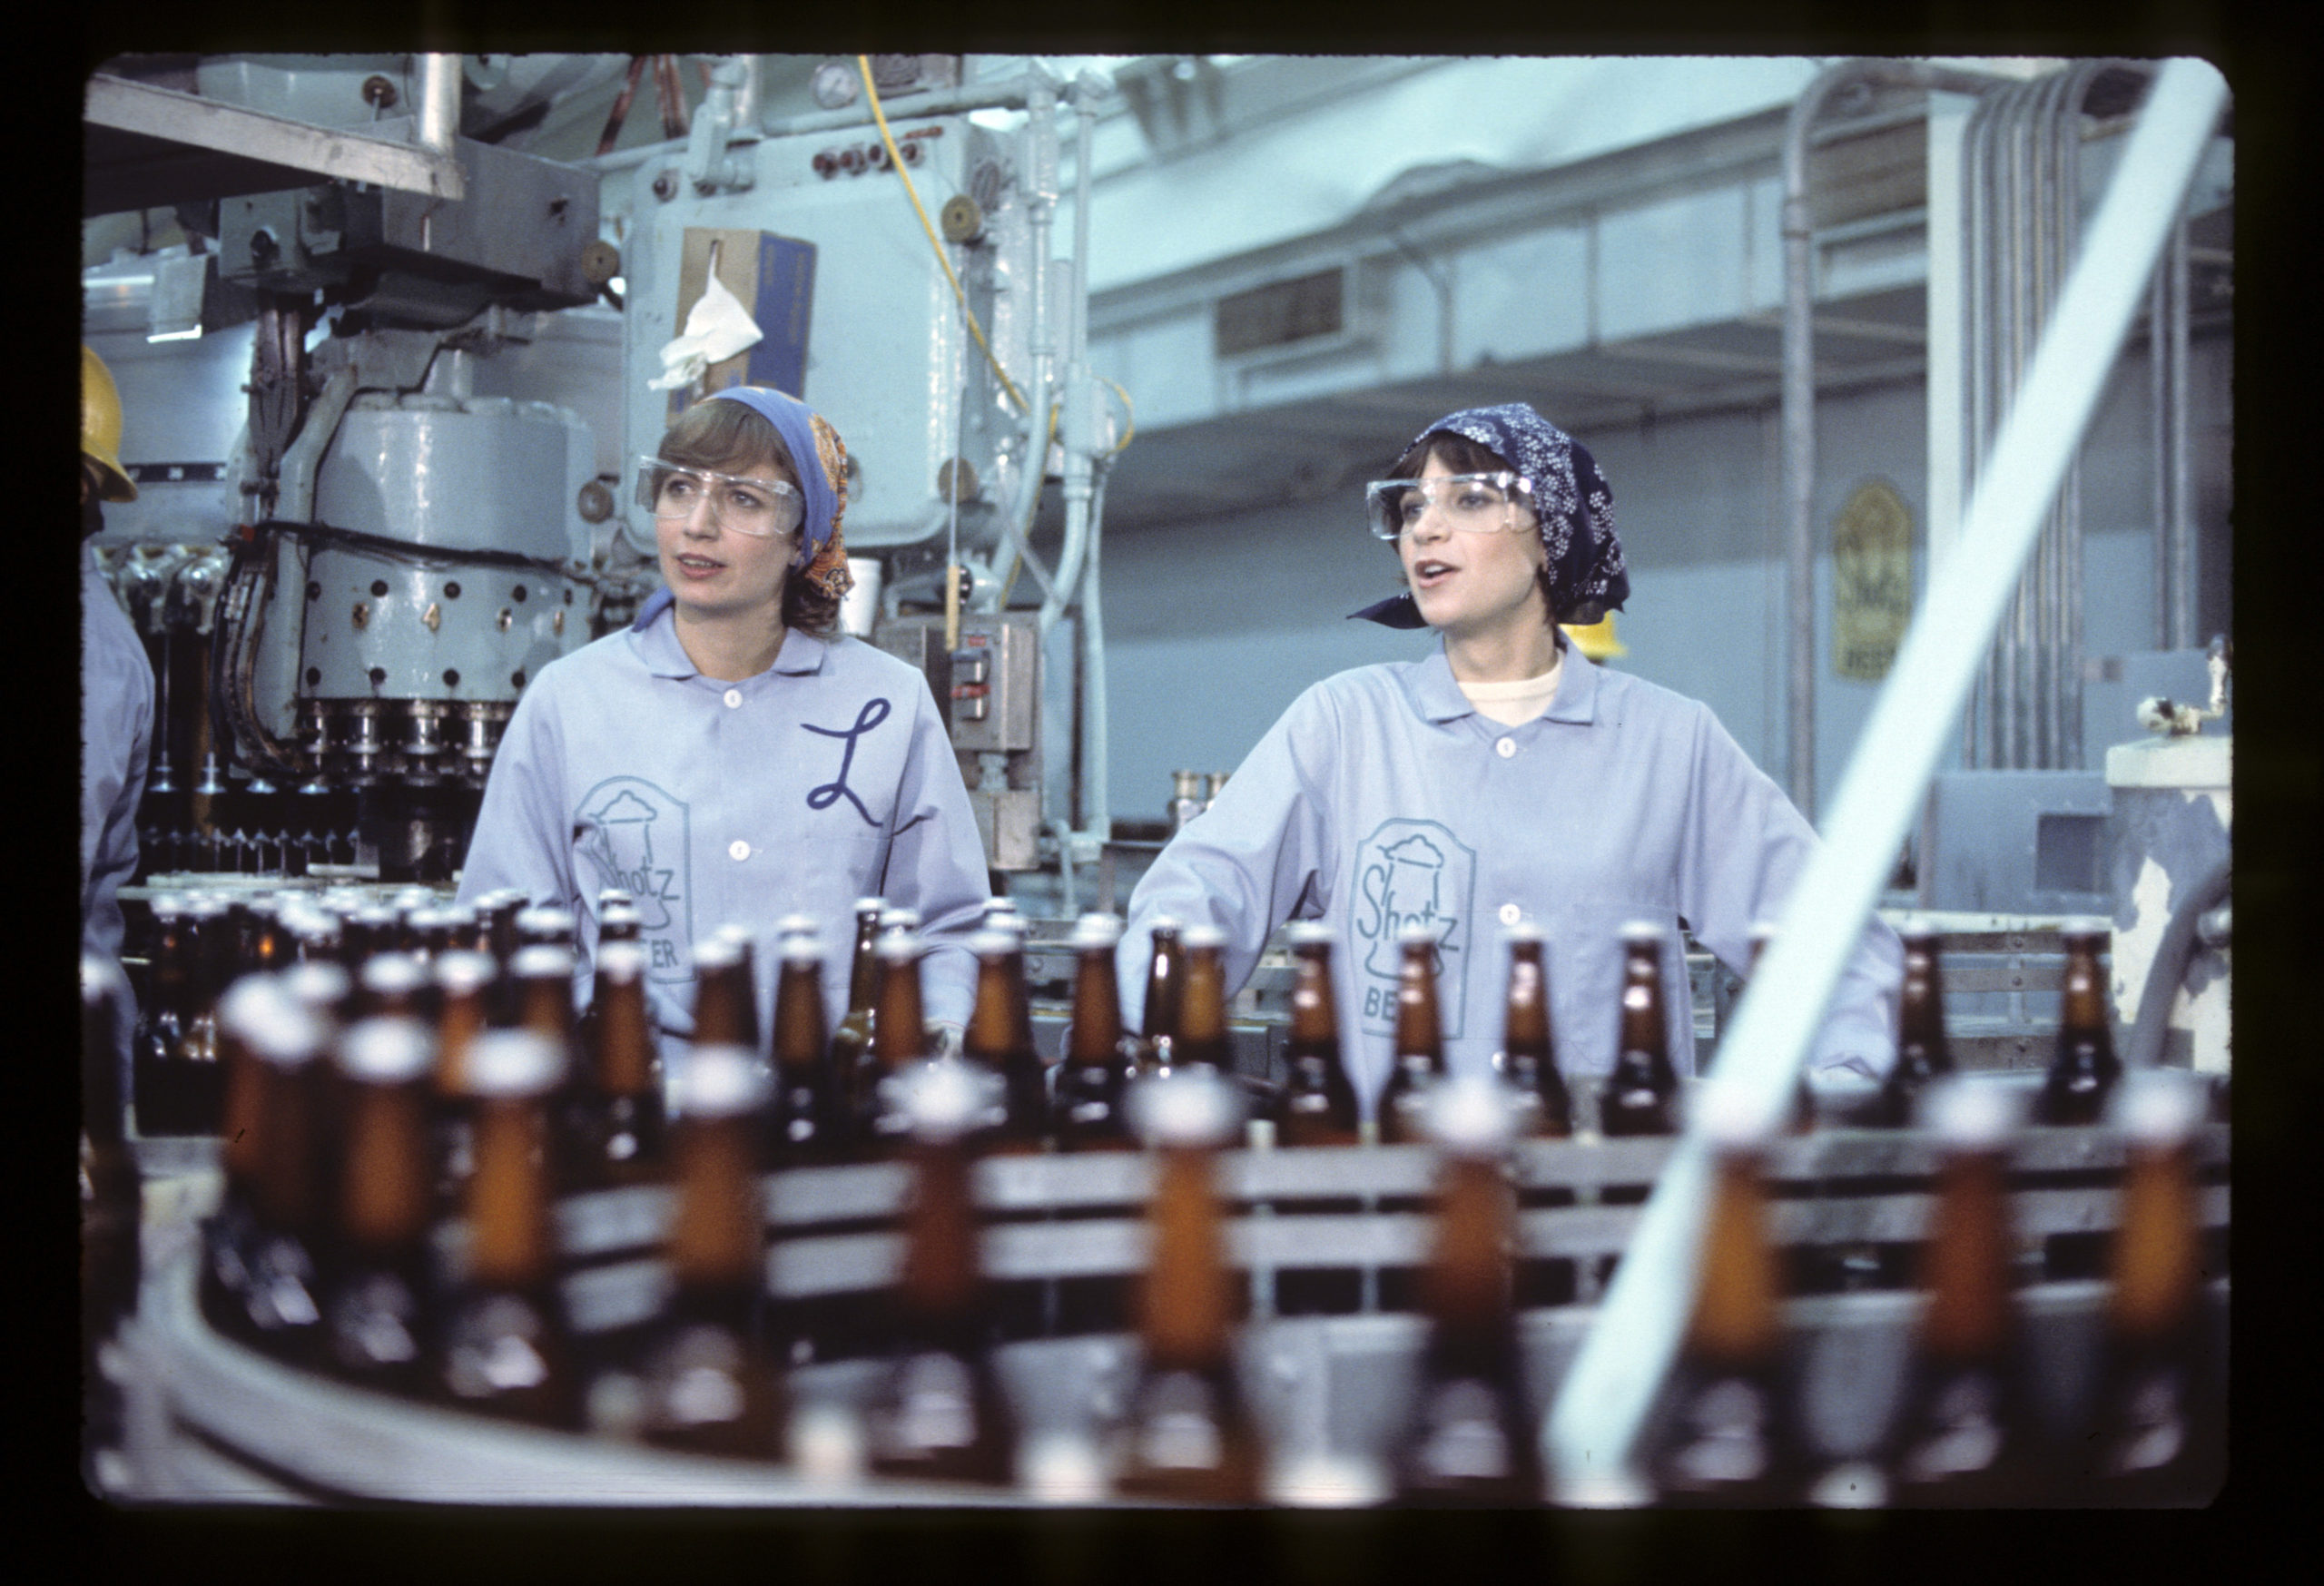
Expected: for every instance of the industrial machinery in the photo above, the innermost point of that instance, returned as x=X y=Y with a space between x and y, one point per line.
x=363 y=540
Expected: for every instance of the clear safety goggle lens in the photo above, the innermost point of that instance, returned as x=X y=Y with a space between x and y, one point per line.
x=760 y=506
x=1471 y=503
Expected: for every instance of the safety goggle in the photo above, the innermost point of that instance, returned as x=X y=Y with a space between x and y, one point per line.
x=764 y=507
x=1470 y=503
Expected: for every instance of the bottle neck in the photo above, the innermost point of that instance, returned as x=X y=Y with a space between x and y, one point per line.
x=508 y=1196
x=1185 y=1310
x=386 y=1192
x=1097 y=1032
x=1736 y=1320
x=799 y=1039
x=1966 y=1269
x=625 y=1040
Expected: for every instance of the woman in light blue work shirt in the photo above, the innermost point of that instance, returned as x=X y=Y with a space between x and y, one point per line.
x=727 y=759
x=1502 y=778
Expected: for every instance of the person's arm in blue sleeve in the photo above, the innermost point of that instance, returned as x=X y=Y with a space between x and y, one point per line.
x=936 y=866
x=522 y=827
x=1745 y=848
x=1249 y=860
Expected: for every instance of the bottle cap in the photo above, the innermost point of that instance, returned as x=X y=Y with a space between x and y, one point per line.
x=1096 y=930
x=2158 y=1107
x=1470 y=1115
x=943 y=1098
x=393 y=974
x=1765 y=930
x=1730 y=1117
x=101 y=978
x=740 y=935
x=899 y=947
x=1643 y=930
x=1525 y=929
x=803 y=947
x=797 y=925
x=386 y=1051
x=990 y=943
x=1971 y=1114
x=540 y=921
x=609 y=897
x=1201 y=936
x=898 y=920
x=461 y=972
x=1310 y=933
x=871 y=905
x=1186 y=1107
x=1416 y=933
x=542 y=961
x=317 y=985
x=513 y=1063
x=717 y=1081
x=716 y=951
x=620 y=961
x=168 y=905
x=257 y=1011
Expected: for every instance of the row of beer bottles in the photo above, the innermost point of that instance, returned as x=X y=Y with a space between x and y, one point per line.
x=1971 y=1426
x=204 y=941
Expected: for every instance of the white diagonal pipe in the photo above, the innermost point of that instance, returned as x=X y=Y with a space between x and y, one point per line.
x=1592 y=1431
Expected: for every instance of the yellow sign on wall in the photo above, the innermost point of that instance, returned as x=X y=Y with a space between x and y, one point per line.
x=1871 y=580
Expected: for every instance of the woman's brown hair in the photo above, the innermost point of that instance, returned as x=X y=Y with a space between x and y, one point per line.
x=732 y=438
x=1463 y=456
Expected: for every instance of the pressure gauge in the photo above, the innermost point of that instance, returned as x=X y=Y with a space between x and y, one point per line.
x=835 y=86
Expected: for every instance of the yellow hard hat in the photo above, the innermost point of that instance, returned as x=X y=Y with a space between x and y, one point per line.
x=101 y=428
x=1597 y=639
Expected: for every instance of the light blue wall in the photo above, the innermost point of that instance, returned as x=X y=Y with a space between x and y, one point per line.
x=1214 y=626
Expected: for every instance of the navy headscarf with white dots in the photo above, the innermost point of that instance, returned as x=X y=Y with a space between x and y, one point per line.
x=1587 y=577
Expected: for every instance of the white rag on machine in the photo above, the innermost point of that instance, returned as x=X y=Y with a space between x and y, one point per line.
x=717 y=328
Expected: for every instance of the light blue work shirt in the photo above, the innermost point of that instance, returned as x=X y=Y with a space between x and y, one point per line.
x=116 y=741
x=1382 y=798
x=826 y=778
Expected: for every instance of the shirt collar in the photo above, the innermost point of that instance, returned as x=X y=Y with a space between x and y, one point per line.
x=654 y=636
x=1438 y=694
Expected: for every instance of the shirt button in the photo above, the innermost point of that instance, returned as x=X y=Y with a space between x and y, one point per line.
x=1510 y=913
x=1505 y=748
x=739 y=849
x=733 y=702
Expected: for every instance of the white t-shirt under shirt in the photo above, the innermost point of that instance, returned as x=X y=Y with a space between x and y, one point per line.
x=1514 y=703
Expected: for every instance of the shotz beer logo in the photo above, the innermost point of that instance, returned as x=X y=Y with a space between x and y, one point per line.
x=635 y=837
x=1412 y=873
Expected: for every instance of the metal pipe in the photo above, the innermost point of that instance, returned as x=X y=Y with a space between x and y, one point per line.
x=1799 y=392
x=439 y=121
x=1593 y=1427
x=2162 y=548
x=2182 y=479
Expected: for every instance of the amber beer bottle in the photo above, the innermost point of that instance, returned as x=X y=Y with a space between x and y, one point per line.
x=805 y=1123
x=615 y=1119
x=900 y=1035
x=1962 y=1435
x=292 y=1190
x=1528 y=1055
x=939 y=1413
x=1201 y=1039
x=709 y=1385
x=1187 y=1435
x=1469 y=1437
x=376 y=1287
x=465 y=984
x=253 y=1013
x=1000 y=1039
x=1641 y=1095
x=505 y=1348
x=1922 y=1054
x=1092 y=1080
x=162 y=1080
x=1419 y=1059
x=1321 y=1108
x=2085 y=1069
x=1165 y=987
x=852 y=1062
x=2157 y=1430
x=1728 y=1434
